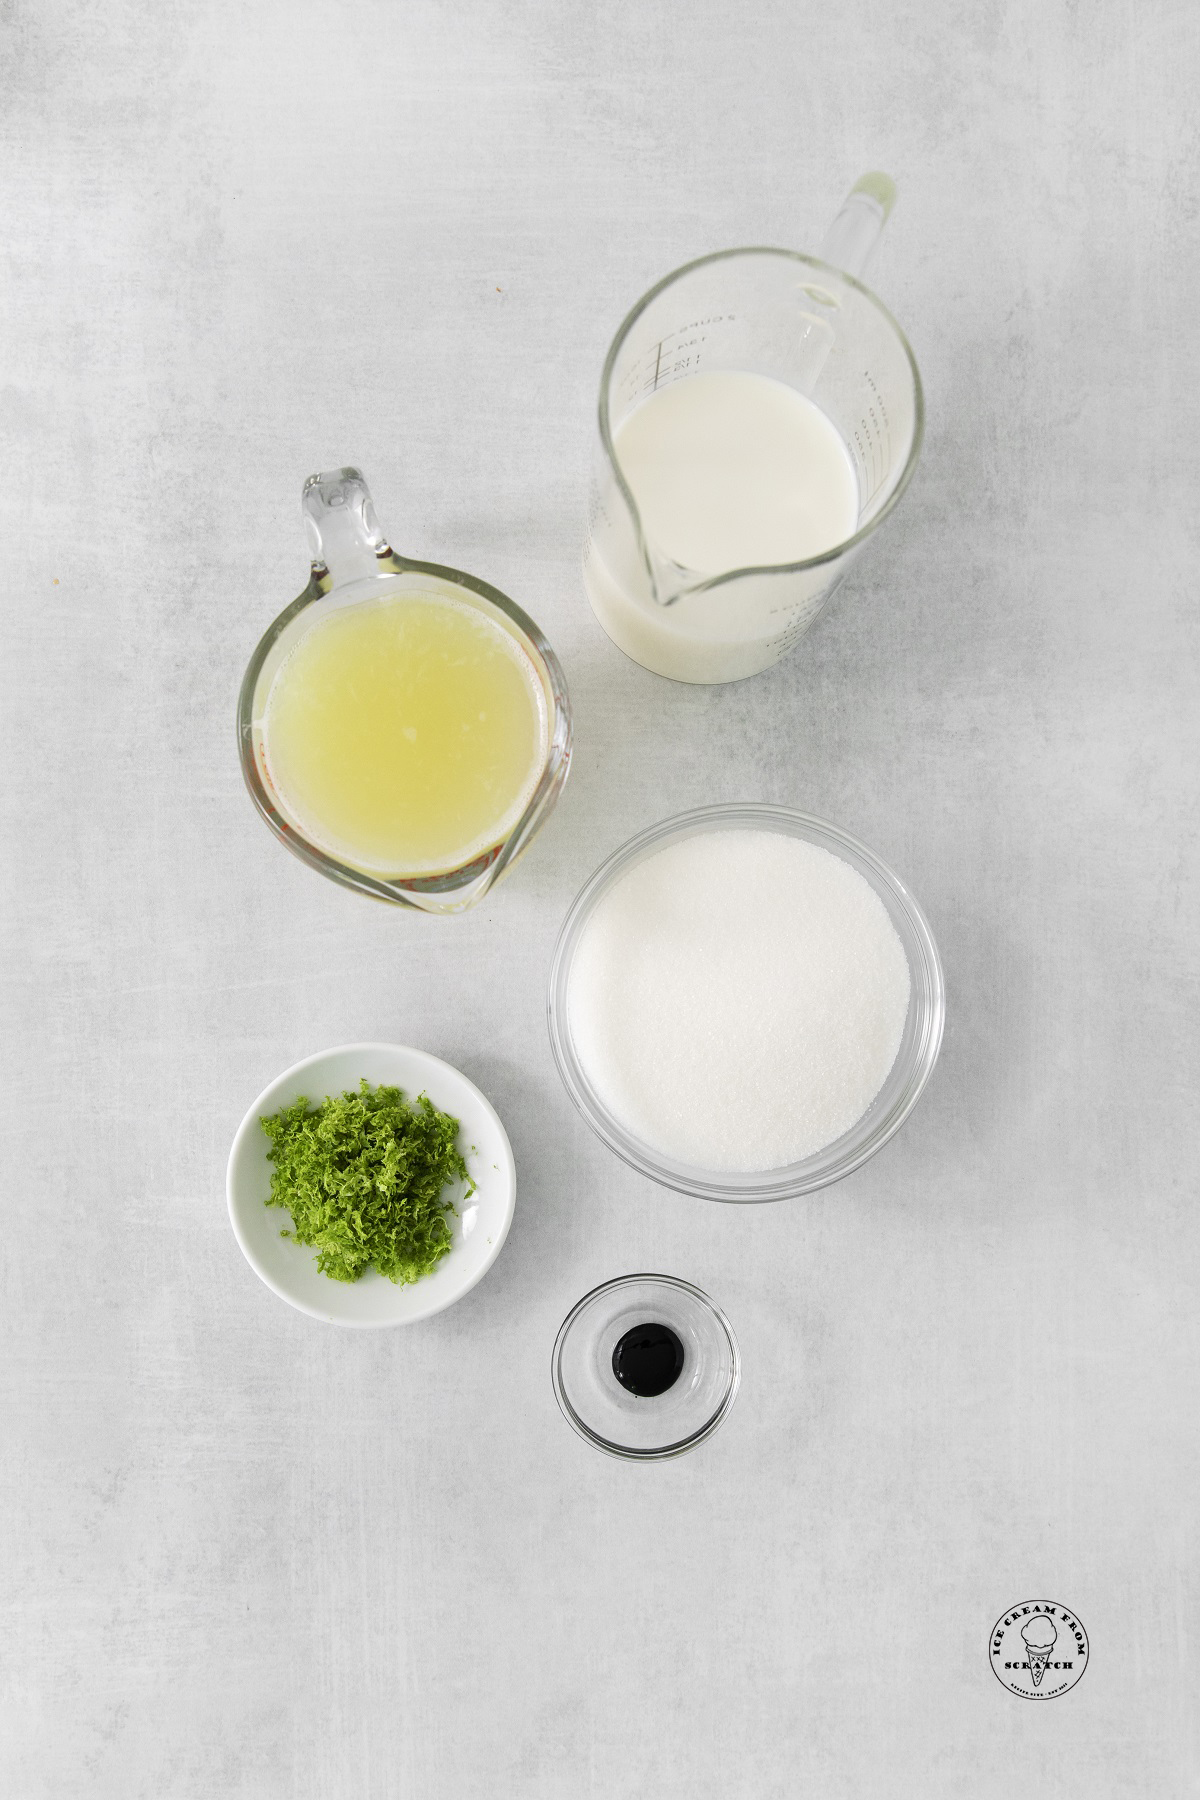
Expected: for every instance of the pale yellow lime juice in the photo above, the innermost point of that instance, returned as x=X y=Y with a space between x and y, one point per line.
x=406 y=734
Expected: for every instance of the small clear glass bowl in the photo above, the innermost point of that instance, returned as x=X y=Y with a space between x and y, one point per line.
x=645 y=1428
x=915 y=1058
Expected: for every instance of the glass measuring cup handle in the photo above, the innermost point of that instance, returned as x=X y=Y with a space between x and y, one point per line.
x=853 y=238
x=344 y=535
x=848 y=246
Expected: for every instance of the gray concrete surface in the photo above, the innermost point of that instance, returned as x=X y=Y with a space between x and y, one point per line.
x=248 y=1556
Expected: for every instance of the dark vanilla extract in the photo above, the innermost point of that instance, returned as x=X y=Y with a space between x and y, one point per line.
x=648 y=1360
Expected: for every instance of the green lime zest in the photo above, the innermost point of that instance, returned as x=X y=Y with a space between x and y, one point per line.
x=364 y=1177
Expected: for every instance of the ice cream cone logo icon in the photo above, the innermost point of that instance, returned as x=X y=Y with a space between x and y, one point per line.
x=1040 y=1634
x=1038 y=1649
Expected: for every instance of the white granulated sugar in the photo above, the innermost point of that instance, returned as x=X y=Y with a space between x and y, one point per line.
x=738 y=998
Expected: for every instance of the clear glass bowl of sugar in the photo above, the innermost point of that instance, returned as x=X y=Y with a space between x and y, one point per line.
x=659 y=1154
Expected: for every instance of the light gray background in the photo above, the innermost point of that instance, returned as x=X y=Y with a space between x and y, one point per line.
x=245 y=1555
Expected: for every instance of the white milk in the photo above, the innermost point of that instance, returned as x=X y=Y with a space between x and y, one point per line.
x=730 y=470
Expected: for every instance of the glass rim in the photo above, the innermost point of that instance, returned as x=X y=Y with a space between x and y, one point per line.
x=870 y=1132
x=659 y=1453
x=813 y=262
x=422 y=893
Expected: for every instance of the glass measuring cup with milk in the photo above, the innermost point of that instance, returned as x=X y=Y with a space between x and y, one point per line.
x=760 y=416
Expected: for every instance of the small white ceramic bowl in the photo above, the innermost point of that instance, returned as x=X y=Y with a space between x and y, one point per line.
x=480 y=1228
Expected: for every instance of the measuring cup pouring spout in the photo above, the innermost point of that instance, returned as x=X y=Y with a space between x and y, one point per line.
x=825 y=345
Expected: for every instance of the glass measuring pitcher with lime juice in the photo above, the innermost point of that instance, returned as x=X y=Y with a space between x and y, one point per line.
x=404 y=728
x=405 y=732
x=760 y=415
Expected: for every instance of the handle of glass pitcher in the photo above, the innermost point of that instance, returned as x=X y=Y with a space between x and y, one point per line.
x=853 y=238
x=344 y=536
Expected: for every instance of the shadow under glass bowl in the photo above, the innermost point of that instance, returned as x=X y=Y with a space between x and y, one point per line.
x=645 y=1427
x=900 y=1092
